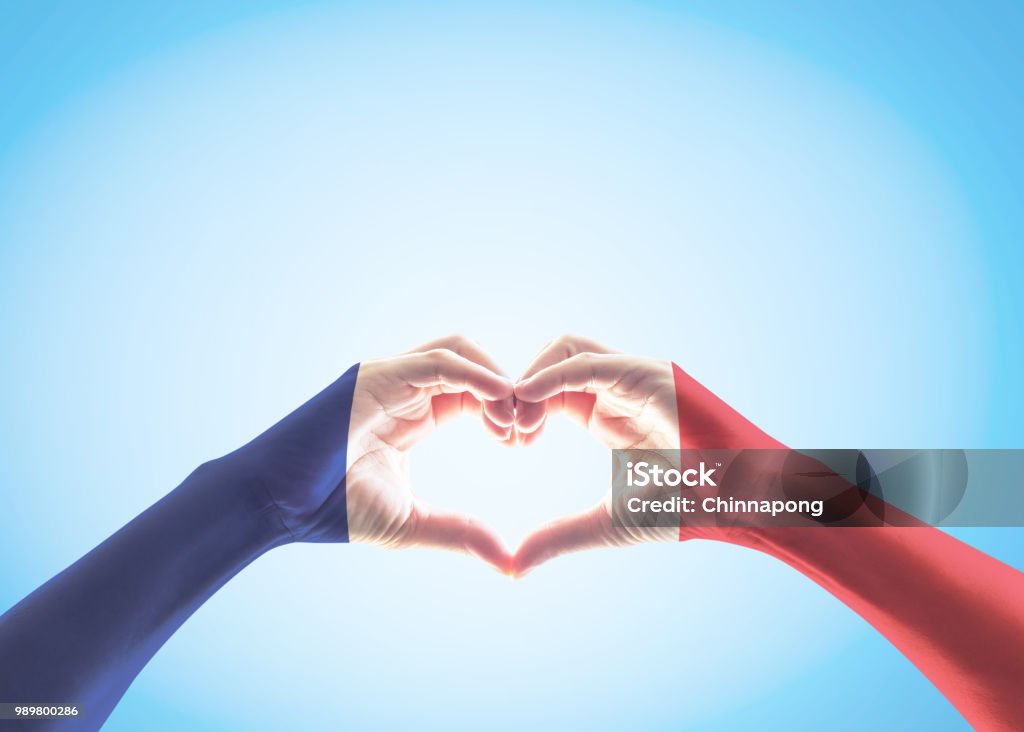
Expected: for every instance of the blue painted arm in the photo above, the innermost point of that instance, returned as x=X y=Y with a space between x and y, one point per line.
x=82 y=637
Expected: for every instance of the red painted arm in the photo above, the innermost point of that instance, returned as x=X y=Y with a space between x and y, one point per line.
x=956 y=613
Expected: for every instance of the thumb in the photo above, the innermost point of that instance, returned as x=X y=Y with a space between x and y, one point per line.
x=457 y=532
x=587 y=530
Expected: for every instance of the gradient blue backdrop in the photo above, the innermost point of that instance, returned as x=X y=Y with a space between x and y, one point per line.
x=209 y=210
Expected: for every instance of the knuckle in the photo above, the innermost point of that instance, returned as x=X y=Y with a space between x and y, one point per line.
x=439 y=355
x=458 y=341
x=566 y=341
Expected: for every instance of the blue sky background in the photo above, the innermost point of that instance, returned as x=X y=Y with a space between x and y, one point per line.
x=209 y=210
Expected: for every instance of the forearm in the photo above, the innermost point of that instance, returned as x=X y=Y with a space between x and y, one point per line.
x=953 y=611
x=82 y=637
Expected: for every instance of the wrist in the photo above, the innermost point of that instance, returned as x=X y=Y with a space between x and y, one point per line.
x=296 y=470
x=238 y=504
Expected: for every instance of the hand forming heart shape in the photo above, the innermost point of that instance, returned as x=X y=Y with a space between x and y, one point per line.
x=336 y=469
x=624 y=401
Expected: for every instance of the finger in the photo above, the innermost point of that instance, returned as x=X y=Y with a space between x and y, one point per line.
x=560 y=349
x=530 y=416
x=528 y=438
x=465 y=347
x=452 y=373
x=500 y=413
x=458 y=532
x=447 y=407
x=588 y=530
x=584 y=372
x=578 y=406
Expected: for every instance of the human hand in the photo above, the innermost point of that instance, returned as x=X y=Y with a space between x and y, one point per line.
x=337 y=467
x=626 y=402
